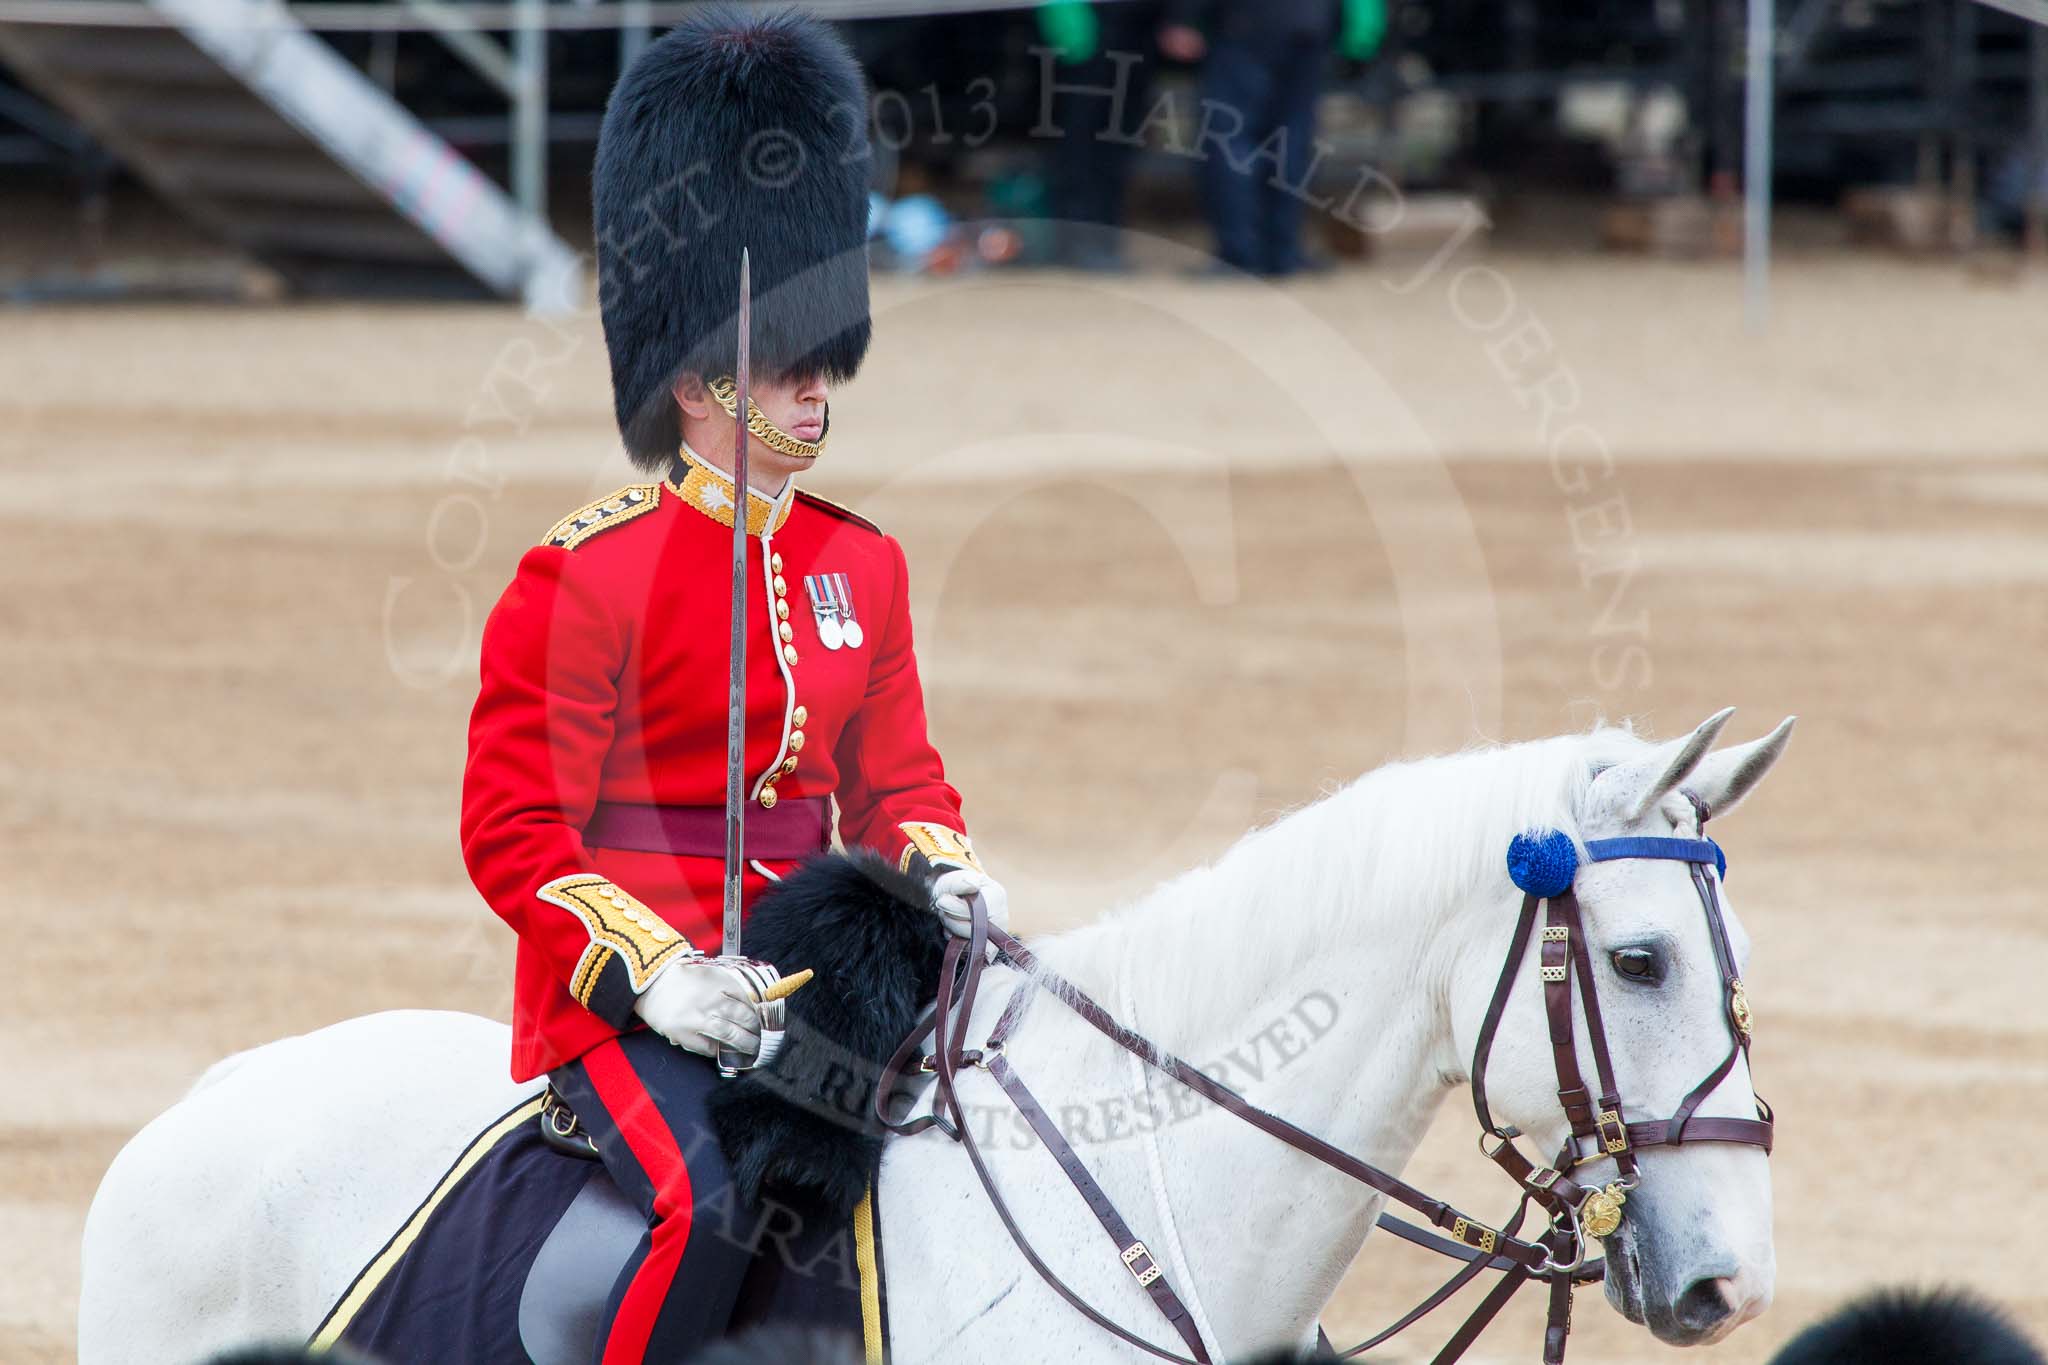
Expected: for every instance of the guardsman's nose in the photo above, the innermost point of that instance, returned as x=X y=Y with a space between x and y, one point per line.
x=813 y=390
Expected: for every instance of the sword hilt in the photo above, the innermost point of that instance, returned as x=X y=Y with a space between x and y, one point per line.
x=770 y=989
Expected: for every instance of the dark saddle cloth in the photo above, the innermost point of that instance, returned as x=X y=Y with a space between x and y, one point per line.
x=512 y=1256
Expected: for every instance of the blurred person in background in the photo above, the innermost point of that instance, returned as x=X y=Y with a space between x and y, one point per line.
x=1262 y=73
x=1101 y=74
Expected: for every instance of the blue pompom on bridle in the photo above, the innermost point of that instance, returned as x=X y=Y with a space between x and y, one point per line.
x=1543 y=862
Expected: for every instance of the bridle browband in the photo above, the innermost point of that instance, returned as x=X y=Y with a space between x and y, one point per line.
x=1544 y=866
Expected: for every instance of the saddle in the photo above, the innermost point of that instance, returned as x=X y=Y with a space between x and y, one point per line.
x=522 y=1247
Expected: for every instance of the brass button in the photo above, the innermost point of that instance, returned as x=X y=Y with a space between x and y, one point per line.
x=782 y=609
x=661 y=933
x=789 y=653
x=767 y=798
x=781 y=587
x=786 y=631
x=796 y=742
x=775 y=562
x=789 y=765
x=801 y=715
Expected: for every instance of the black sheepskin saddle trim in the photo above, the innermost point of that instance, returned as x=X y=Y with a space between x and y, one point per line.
x=1912 y=1327
x=804 y=1125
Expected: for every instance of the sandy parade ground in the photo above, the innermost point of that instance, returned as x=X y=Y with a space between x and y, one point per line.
x=1186 y=556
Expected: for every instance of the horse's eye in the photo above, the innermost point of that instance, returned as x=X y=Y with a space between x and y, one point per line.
x=1639 y=964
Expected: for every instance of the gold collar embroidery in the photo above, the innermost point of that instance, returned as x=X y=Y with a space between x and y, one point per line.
x=708 y=491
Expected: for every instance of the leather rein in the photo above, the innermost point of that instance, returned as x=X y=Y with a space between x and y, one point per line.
x=1575 y=1213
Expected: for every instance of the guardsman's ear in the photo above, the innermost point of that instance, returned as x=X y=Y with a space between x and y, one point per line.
x=691 y=396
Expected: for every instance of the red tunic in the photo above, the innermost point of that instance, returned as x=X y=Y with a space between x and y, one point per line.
x=604 y=679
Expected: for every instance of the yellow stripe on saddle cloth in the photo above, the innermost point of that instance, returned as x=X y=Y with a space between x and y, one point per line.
x=867 y=1256
x=510 y=1188
x=372 y=1275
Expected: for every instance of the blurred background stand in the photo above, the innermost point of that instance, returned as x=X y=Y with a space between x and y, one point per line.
x=269 y=139
x=441 y=147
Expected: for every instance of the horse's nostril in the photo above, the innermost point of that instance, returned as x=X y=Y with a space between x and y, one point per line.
x=1704 y=1306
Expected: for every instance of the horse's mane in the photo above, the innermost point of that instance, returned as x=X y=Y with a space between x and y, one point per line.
x=1421 y=834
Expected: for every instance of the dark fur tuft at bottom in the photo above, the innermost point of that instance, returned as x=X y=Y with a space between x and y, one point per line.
x=1912 y=1327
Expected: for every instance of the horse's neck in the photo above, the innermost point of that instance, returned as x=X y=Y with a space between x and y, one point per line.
x=1348 y=1041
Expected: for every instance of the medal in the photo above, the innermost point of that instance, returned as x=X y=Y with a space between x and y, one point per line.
x=825 y=611
x=842 y=597
x=831 y=597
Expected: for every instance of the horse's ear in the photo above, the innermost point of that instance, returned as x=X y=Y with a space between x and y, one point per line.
x=1670 y=765
x=1723 y=779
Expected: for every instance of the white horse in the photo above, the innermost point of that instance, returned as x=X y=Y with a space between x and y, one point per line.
x=1333 y=967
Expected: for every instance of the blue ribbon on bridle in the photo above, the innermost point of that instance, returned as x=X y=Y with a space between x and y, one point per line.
x=1543 y=863
x=1700 y=851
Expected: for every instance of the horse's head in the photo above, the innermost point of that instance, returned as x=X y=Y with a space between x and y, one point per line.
x=1692 y=1257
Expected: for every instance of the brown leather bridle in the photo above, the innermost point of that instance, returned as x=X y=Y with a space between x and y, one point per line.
x=1599 y=1127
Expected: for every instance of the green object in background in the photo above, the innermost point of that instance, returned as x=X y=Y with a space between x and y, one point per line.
x=1069 y=28
x=1023 y=200
x=1364 y=28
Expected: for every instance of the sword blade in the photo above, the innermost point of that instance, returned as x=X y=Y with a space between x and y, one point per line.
x=736 y=690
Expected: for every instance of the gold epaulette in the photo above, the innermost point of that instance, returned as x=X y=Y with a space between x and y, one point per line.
x=614 y=509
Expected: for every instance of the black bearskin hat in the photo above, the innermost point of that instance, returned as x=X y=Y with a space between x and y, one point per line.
x=736 y=129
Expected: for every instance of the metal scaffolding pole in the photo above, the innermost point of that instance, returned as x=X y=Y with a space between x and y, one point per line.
x=530 y=109
x=634 y=25
x=2036 y=200
x=1756 y=166
x=1961 y=119
x=495 y=16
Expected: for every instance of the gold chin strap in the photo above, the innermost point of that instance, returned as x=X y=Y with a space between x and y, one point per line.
x=765 y=431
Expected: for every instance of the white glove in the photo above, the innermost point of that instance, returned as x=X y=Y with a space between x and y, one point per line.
x=956 y=886
x=699 y=1005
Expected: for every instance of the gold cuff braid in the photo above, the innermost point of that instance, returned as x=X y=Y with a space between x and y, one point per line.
x=727 y=392
x=938 y=844
x=619 y=926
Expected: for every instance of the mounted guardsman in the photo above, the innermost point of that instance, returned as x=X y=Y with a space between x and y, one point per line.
x=592 y=816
